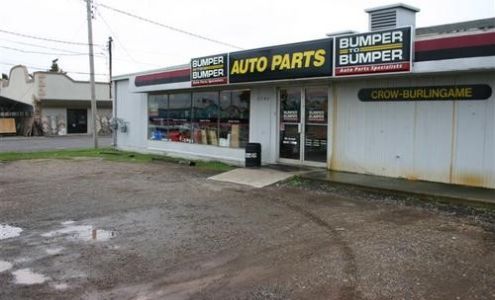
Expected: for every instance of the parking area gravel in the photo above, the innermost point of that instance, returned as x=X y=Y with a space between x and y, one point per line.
x=95 y=229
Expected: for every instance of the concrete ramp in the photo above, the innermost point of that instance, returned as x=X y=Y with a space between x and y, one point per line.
x=257 y=178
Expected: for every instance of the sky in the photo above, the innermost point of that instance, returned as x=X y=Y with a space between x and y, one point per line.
x=140 y=46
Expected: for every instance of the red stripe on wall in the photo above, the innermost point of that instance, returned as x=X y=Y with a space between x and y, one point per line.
x=456 y=42
x=164 y=75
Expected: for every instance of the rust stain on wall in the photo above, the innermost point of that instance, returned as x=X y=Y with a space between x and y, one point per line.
x=469 y=179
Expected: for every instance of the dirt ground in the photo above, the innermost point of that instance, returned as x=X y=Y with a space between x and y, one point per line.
x=95 y=229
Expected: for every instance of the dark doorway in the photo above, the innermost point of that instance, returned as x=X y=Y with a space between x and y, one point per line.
x=77 y=121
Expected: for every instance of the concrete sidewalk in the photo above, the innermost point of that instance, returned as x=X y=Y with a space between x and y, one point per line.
x=442 y=191
x=257 y=178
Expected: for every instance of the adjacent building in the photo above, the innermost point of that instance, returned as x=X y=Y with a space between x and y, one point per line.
x=396 y=101
x=48 y=103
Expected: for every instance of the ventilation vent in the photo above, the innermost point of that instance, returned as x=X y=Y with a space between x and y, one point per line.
x=391 y=16
x=384 y=19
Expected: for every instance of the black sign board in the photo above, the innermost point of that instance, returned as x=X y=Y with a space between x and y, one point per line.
x=209 y=70
x=300 y=60
x=384 y=51
x=427 y=93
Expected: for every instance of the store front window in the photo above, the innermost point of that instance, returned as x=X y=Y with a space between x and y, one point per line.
x=179 y=117
x=234 y=118
x=158 y=117
x=205 y=118
x=218 y=118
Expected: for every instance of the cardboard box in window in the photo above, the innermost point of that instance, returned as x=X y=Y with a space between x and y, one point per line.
x=234 y=136
x=7 y=125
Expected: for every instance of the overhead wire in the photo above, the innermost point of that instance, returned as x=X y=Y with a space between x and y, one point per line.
x=166 y=26
x=46 y=53
x=38 y=46
x=46 y=69
x=121 y=44
x=46 y=39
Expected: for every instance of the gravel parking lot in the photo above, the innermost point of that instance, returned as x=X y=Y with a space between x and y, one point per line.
x=94 y=229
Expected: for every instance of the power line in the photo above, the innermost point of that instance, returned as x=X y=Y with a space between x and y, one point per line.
x=46 y=69
x=167 y=26
x=39 y=52
x=46 y=39
x=121 y=45
x=39 y=46
x=47 y=53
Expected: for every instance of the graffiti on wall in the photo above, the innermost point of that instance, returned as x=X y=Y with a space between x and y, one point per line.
x=54 y=124
x=103 y=125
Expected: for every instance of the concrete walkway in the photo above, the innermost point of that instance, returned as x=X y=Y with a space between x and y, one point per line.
x=257 y=178
x=442 y=191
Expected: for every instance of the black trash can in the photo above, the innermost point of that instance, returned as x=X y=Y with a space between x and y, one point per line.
x=253 y=155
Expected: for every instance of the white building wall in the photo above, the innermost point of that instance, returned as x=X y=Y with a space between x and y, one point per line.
x=56 y=86
x=131 y=108
x=194 y=151
x=263 y=122
x=45 y=85
x=20 y=87
x=451 y=141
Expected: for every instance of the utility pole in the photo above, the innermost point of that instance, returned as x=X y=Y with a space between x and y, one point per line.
x=110 y=40
x=92 y=72
x=114 y=101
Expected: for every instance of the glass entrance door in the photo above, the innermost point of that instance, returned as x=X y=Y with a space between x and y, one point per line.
x=290 y=123
x=303 y=125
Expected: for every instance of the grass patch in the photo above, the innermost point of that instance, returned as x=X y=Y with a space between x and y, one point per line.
x=214 y=166
x=296 y=181
x=111 y=155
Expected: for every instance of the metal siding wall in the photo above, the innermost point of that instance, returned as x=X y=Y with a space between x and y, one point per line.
x=474 y=152
x=432 y=141
x=132 y=108
x=417 y=140
x=372 y=138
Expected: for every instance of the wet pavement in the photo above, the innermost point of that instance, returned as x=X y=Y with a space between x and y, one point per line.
x=93 y=229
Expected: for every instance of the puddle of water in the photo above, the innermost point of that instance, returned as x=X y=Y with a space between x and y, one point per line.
x=4 y=266
x=53 y=251
x=81 y=232
x=61 y=286
x=26 y=276
x=7 y=231
x=22 y=260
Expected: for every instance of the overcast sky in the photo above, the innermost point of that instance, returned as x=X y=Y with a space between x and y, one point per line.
x=140 y=46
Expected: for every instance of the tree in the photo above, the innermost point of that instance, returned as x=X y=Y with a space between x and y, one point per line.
x=5 y=76
x=54 y=67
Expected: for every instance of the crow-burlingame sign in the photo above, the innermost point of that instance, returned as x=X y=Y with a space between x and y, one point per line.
x=427 y=93
x=384 y=51
x=209 y=70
